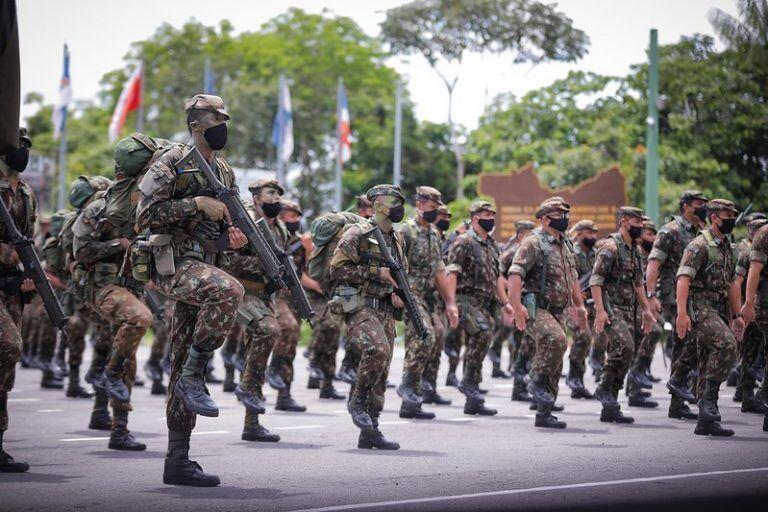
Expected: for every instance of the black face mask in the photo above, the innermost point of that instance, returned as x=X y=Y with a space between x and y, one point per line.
x=701 y=213
x=216 y=136
x=635 y=232
x=293 y=226
x=647 y=245
x=487 y=224
x=272 y=210
x=559 y=224
x=589 y=242
x=727 y=226
x=18 y=159
x=430 y=216
x=396 y=213
x=443 y=224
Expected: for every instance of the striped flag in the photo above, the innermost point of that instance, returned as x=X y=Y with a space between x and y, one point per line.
x=65 y=98
x=130 y=100
x=282 y=129
x=344 y=128
x=209 y=82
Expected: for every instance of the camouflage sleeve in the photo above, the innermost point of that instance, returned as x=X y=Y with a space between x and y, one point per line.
x=526 y=256
x=759 y=252
x=505 y=261
x=156 y=207
x=243 y=265
x=603 y=263
x=693 y=258
x=88 y=248
x=663 y=245
x=30 y=231
x=345 y=262
x=458 y=254
x=742 y=264
x=55 y=259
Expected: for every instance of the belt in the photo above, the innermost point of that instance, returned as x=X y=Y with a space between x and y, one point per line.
x=545 y=304
x=380 y=304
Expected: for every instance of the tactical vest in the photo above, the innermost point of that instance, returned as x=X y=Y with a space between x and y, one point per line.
x=620 y=284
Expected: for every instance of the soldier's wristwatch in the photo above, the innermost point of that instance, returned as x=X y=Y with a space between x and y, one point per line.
x=650 y=295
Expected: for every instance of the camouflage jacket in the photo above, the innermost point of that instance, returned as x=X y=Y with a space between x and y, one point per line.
x=507 y=255
x=22 y=206
x=547 y=267
x=167 y=203
x=422 y=248
x=672 y=239
x=476 y=263
x=356 y=259
x=96 y=240
x=710 y=263
x=295 y=248
x=759 y=253
x=618 y=271
x=55 y=258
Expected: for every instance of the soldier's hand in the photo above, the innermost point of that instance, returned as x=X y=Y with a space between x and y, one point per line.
x=125 y=243
x=655 y=305
x=521 y=317
x=682 y=325
x=601 y=320
x=27 y=285
x=453 y=315
x=397 y=301
x=582 y=319
x=738 y=326
x=236 y=238
x=748 y=312
x=508 y=315
x=386 y=275
x=211 y=208
x=648 y=321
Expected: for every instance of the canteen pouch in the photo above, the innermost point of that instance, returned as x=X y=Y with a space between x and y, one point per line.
x=529 y=302
x=104 y=274
x=162 y=252
x=472 y=318
x=140 y=255
x=346 y=300
x=762 y=294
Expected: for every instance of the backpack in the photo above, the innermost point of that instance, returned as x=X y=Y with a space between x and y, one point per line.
x=326 y=231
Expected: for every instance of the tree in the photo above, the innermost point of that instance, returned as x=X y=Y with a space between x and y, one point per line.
x=445 y=30
x=749 y=33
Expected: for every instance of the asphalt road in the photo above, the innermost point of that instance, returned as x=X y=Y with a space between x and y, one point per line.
x=455 y=462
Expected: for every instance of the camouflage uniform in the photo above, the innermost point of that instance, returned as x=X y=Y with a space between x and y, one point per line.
x=759 y=254
x=648 y=342
x=475 y=261
x=324 y=342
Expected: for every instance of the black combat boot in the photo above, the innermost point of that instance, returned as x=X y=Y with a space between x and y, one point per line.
x=679 y=387
x=407 y=389
x=604 y=391
x=709 y=414
x=254 y=431
x=641 y=401
x=346 y=374
x=60 y=359
x=274 y=379
x=191 y=387
x=285 y=401
x=7 y=464
x=373 y=438
x=646 y=368
x=451 y=380
x=520 y=390
x=750 y=403
x=429 y=394
x=179 y=470
x=678 y=409
x=762 y=393
x=357 y=408
x=545 y=419
x=329 y=392
x=733 y=376
x=153 y=369
x=575 y=381
x=637 y=374
x=95 y=371
x=316 y=377
x=210 y=374
x=540 y=395
x=613 y=414
x=469 y=388
x=414 y=411
x=498 y=373
x=113 y=383
x=74 y=389
x=229 y=380
x=158 y=388
x=50 y=381
x=121 y=438
x=596 y=364
x=165 y=362
x=765 y=423
x=250 y=400
x=100 y=417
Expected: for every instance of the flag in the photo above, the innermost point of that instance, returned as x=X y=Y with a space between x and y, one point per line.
x=130 y=100
x=344 y=128
x=65 y=98
x=282 y=130
x=209 y=84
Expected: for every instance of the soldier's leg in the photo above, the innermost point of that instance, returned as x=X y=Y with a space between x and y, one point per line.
x=582 y=341
x=478 y=325
x=10 y=354
x=28 y=343
x=637 y=378
x=429 y=379
x=31 y=314
x=46 y=347
x=417 y=353
x=349 y=362
x=77 y=326
x=454 y=339
x=501 y=336
x=523 y=355
x=284 y=353
x=762 y=393
x=153 y=367
x=749 y=351
x=621 y=350
x=228 y=355
x=683 y=362
x=550 y=344
x=100 y=417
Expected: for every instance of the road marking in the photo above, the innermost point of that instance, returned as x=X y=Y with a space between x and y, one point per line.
x=72 y=440
x=297 y=427
x=208 y=432
x=50 y=410
x=462 y=419
x=503 y=386
x=512 y=492
x=340 y=411
x=394 y=422
x=23 y=399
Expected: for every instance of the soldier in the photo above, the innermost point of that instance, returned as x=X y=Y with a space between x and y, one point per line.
x=754 y=342
x=22 y=205
x=663 y=263
x=617 y=289
x=365 y=298
x=705 y=277
x=176 y=204
x=426 y=275
x=454 y=338
x=755 y=308
x=585 y=232
x=542 y=284
x=474 y=281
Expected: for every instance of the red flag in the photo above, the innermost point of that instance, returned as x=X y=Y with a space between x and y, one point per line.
x=130 y=100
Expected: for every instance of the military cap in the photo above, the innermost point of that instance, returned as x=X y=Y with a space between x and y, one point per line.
x=363 y=201
x=257 y=185
x=552 y=205
x=429 y=194
x=584 y=224
x=133 y=153
x=524 y=224
x=649 y=224
x=754 y=217
x=24 y=137
x=721 y=205
x=293 y=206
x=206 y=102
x=443 y=210
x=629 y=211
x=482 y=205
x=84 y=187
x=690 y=195
x=385 y=190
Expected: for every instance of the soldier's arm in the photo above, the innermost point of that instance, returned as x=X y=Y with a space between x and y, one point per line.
x=88 y=248
x=346 y=266
x=156 y=207
x=693 y=257
x=661 y=248
x=526 y=256
x=758 y=257
x=600 y=272
x=456 y=259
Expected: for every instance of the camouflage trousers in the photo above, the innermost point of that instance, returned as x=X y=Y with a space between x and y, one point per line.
x=284 y=350
x=129 y=319
x=77 y=328
x=476 y=320
x=754 y=344
x=371 y=333
x=440 y=326
x=324 y=342
x=647 y=345
x=582 y=342
x=522 y=351
x=233 y=345
x=258 y=317
x=501 y=336
x=454 y=339
x=715 y=346
x=419 y=353
x=684 y=353
x=619 y=340
x=550 y=341
x=160 y=329
x=207 y=299
x=10 y=350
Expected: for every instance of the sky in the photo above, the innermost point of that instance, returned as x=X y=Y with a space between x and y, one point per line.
x=99 y=33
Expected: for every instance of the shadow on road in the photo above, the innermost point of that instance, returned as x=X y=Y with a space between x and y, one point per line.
x=395 y=453
x=224 y=492
x=39 y=478
x=124 y=454
x=279 y=446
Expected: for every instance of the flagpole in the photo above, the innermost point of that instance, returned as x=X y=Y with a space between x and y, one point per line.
x=62 y=197
x=140 y=111
x=398 y=134
x=337 y=195
x=278 y=147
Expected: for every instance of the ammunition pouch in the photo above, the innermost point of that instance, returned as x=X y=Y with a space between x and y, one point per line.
x=347 y=300
x=473 y=314
x=162 y=252
x=104 y=274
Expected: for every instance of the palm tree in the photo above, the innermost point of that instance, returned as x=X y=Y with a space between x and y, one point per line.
x=748 y=33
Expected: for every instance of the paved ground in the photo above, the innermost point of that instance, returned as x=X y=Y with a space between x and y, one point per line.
x=455 y=462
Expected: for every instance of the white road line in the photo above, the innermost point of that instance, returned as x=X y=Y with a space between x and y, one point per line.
x=503 y=386
x=395 y=422
x=511 y=492
x=75 y=439
x=340 y=411
x=209 y=432
x=297 y=427
x=50 y=410
x=23 y=399
x=462 y=419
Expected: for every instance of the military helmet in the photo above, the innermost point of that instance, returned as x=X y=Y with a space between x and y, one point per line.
x=133 y=153
x=58 y=219
x=84 y=187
